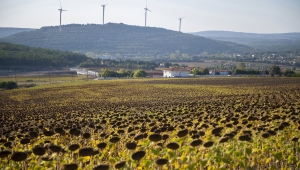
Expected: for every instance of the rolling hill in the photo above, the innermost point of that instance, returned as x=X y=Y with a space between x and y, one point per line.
x=271 y=42
x=120 y=38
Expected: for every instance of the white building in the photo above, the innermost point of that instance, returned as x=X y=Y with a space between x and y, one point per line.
x=175 y=72
x=222 y=72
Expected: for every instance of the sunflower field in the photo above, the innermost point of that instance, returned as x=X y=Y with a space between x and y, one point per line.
x=174 y=124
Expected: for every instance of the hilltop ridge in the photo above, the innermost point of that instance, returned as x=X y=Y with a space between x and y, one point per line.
x=7 y=31
x=270 y=42
x=123 y=39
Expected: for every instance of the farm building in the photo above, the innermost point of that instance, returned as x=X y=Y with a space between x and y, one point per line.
x=176 y=72
x=219 y=72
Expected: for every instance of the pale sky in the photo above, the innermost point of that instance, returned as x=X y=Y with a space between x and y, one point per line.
x=254 y=16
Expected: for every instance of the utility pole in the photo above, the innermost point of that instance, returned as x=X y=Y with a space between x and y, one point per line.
x=87 y=74
x=16 y=75
x=49 y=77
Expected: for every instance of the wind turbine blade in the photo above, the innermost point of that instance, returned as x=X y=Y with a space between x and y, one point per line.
x=183 y=17
x=148 y=10
x=60 y=3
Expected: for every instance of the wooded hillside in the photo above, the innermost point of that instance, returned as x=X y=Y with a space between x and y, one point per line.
x=20 y=55
x=123 y=39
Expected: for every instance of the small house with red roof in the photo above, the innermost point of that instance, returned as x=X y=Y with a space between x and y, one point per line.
x=176 y=72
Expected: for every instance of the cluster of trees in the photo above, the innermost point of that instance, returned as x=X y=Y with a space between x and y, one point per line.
x=241 y=69
x=196 y=71
x=19 y=55
x=8 y=85
x=129 y=64
x=273 y=70
x=254 y=72
x=290 y=73
x=122 y=73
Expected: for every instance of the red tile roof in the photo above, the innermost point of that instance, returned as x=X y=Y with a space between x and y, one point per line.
x=176 y=69
x=189 y=68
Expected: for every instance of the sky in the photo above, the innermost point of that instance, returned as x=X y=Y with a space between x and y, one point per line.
x=252 y=16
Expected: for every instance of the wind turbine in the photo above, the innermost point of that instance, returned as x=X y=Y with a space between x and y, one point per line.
x=103 y=6
x=60 y=10
x=146 y=9
x=180 y=23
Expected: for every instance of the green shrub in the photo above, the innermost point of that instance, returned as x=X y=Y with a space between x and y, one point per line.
x=3 y=85
x=8 y=85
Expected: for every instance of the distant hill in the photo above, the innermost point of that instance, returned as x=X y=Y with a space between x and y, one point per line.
x=273 y=42
x=120 y=38
x=5 y=32
x=20 y=55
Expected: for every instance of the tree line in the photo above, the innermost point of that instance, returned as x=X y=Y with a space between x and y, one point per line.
x=129 y=64
x=196 y=71
x=122 y=73
x=272 y=71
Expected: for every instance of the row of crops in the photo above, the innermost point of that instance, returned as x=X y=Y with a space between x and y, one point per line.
x=222 y=123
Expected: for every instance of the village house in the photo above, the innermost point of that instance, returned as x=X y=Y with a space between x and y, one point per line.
x=176 y=72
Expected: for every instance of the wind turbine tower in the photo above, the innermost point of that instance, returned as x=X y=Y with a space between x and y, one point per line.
x=146 y=9
x=103 y=6
x=180 y=23
x=60 y=10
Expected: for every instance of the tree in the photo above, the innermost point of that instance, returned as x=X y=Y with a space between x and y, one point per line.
x=11 y=85
x=266 y=72
x=205 y=71
x=167 y=65
x=118 y=56
x=286 y=73
x=185 y=56
x=139 y=73
x=104 y=73
x=8 y=85
x=275 y=70
x=173 y=56
x=3 y=85
x=124 y=73
x=241 y=66
x=90 y=54
x=195 y=71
